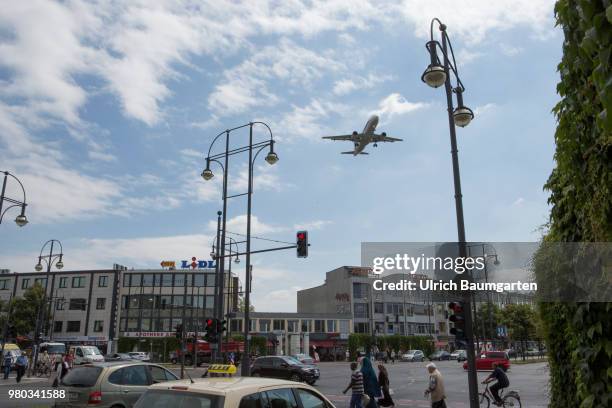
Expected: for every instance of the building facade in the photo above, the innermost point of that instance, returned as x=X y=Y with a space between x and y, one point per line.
x=99 y=306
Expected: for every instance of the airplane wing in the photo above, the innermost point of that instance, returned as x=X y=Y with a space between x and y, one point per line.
x=384 y=138
x=340 y=137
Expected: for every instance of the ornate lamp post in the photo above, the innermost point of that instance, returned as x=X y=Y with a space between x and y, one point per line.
x=21 y=219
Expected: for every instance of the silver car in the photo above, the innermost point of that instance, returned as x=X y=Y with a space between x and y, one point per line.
x=112 y=384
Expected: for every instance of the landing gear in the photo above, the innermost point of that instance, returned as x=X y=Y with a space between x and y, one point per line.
x=375 y=144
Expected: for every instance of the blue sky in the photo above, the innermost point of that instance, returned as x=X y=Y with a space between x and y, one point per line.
x=107 y=111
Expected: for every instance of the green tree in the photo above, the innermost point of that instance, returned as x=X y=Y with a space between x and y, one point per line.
x=520 y=319
x=26 y=309
x=578 y=334
x=482 y=319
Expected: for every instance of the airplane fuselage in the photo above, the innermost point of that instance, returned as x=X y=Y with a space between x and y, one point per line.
x=366 y=136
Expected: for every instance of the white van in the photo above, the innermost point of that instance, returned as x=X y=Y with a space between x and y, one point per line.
x=86 y=354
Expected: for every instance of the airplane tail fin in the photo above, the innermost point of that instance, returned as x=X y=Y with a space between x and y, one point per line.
x=353 y=153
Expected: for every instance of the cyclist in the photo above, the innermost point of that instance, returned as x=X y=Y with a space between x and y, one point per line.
x=502 y=382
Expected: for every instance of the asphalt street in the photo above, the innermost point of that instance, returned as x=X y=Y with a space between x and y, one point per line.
x=408 y=381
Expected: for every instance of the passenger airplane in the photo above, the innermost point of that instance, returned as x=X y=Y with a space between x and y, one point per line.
x=361 y=140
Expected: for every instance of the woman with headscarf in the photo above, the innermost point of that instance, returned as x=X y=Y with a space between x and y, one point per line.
x=370 y=382
x=383 y=381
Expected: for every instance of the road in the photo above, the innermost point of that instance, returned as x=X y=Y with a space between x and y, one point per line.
x=408 y=381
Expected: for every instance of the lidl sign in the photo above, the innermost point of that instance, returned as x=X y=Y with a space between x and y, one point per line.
x=194 y=263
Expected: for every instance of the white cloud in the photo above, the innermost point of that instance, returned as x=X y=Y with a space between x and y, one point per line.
x=107 y=157
x=396 y=104
x=471 y=20
x=510 y=50
x=483 y=109
x=309 y=121
x=348 y=85
x=247 y=85
x=238 y=225
x=518 y=202
x=312 y=225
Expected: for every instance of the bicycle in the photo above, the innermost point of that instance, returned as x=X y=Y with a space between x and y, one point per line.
x=510 y=400
x=43 y=369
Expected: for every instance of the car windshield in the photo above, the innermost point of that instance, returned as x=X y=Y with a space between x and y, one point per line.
x=82 y=376
x=412 y=351
x=56 y=349
x=91 y=351
x=163 y=399
x=292 y=360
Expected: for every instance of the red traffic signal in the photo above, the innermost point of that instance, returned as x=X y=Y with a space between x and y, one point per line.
x=302 y=244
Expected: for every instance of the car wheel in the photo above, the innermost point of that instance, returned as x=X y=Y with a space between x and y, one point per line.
x=295 y=377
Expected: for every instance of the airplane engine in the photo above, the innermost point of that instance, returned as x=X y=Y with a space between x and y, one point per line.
x=384 y=134
x=355 y=133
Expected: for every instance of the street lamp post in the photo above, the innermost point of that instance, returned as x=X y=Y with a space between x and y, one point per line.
x=59 y=264
x=21 y=219
x=207 y=174
x=487 y=328
x=436 y=75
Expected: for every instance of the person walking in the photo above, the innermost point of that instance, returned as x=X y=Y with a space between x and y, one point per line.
x=7 y=362
x=383 y=381
x=356 y=385
x=370 y=382
x=436 y=387
x=21 y=365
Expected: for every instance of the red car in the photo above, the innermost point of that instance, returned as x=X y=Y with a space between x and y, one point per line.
x=486 y=362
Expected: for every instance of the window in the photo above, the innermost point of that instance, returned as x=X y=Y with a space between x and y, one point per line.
x=179 y=280
x=306 y=326
x=135 y=375
x=331 y=326
x=319 y=326
x=158 y=374
x=264 y=325
x=98 y=326
x=63 y=282
x=210 y=279
x=178 y=300
x=360 y=290
x=164 y=302
x=60 y=304
x=4 y=284
x=73 y=326
x=293 y=326
x=166 y=279
x=126 y=281
x=199 y=280
x=78 y=282
x=25 y=283
x=148 y=279
x=344 y=326
x=310 y=400
x=77 y=304
x=41 y=281
x=250 y=401
x=100 y=303
x=361 y=310
x=280 y=398
x=103 y=281
x=279 y=325
x=379 y=307
x=115 y=378
x=361 y=328
x=57 y=326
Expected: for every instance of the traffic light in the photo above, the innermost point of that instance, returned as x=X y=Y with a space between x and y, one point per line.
x=211 y=330
x=302 y=244
x=179 y=331
x=458 y=319
x=221 y=327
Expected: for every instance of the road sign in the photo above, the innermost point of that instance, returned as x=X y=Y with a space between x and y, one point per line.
x=502 y=331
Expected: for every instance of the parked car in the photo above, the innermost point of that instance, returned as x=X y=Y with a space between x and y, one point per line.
x=485 y=362
x=140 y=355
x=285 y=367
x=440 y=355
x=304 y=358
x=118 y=357
x=232 y=393
x=115 y=384
x=86 y=354
x=413 y=355
x=459 y=355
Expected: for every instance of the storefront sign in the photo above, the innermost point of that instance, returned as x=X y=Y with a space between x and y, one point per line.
x=168 y=264
x=197 y=264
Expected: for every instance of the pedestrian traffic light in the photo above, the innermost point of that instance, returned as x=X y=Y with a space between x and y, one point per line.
x=179 y=331
x=458 y=320
x=302 y=244
x=211 y=331
x=221 y=326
